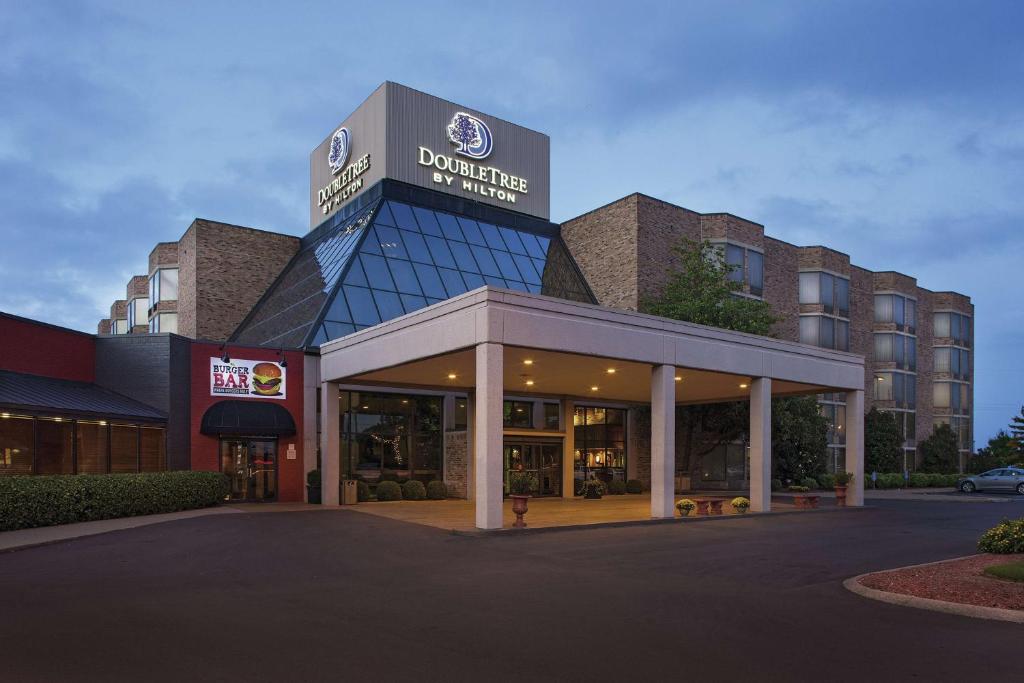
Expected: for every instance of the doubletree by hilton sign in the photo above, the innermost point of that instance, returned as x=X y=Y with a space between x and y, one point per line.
x=407 y=135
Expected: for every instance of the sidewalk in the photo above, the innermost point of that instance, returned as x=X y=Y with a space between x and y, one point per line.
x=946 y=494
x=24 y=538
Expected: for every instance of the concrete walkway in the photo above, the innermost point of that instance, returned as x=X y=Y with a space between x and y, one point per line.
x=459 y=515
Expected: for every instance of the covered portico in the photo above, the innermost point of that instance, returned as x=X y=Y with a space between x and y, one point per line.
x=492 y=342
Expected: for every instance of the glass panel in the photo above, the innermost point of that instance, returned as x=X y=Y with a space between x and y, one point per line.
x=388 y=303
x=452 y=281
x=551 y=416
x=734 y=258
x=827 y=292
x=355 y=275
x=390 y=241
x=450 y=227
x=405 y=278
x=755 y=271
x=392 y=435
x=911 y=344
x=360 y=302
x=897 y=308
x=941 y=397
x=493 y=237
x=506 y=266
x=427 y=221
x=439 y=250
x=828 y=339
x=54 y=447
x=430 y=280
x=883 y=308
x=377 y=272
x=262 y=469
x=810 y=288
x=124 y=448
x=334 y=330
x=338 y=310
x=91 y=445
x=384 y=215
x=518 y=414
x=413 y=303
x=526 y=269
x=472 y=232
x=152 y=456
x=943 y=361
x=465 y=260
x=842 y=296
x=809 y=329
x=486 y=261
x=883 y=386
x=417 y=247
x=911 y=315
x=403 y=216
x=842 y=335
x=511 y=237
x=16 y=445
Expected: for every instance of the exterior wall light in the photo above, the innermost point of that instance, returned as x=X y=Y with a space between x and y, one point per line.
x=452 y=375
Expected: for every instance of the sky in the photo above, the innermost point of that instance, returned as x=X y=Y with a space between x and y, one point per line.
x=891 y=131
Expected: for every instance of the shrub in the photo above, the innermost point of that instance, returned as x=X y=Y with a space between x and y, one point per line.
x=776 y=484
x=593 y=487
x=313 y=478
x=389 y=490
x=740 y=503
x=362 y=491
x=809 y=482
x=414 y=490
x=919 y=480
x=436 y=490
x=937 y=479
x=843 y=478
x=895 y=480
x=799 y=489
x=634 y=486
x=827 y=481
x=616 y=488
x=522 y=483
x=33 y=501
x=951 y=480
x=1004 y=538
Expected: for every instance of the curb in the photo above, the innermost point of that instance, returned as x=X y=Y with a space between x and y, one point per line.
x=509 y=531
x=854 y=585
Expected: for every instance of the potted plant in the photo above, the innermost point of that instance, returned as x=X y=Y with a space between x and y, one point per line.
x=843 y=480
x=313 y=486
x=685 y=507
x=593 y=489
x=521 y=485
x=740 y=505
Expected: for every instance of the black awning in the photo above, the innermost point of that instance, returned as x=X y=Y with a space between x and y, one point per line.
x=247 y=418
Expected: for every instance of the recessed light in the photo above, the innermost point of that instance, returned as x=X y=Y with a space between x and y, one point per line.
x=451 y=375
x=610 y=371
x=679 y=378
x=366 y=407
x=528 y=361
x=529 y=382
x=594 y=388
x=103 y=423
x=405 y=400
x=5 y=415
x=743 y=386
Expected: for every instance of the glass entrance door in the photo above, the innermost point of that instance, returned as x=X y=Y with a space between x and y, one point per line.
x=543 y=460
x=251 y=467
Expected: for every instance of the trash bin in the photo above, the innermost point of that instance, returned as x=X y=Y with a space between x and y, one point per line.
x=349 y=492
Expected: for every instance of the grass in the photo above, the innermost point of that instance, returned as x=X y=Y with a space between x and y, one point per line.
x=1014 y=571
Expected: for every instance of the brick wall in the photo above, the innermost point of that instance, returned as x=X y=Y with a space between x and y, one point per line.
x=660 y=227
x=604 y=245
x=103 y=327
x=187 y=282
x=456 y=473
x=163 y=254
x=781 y=289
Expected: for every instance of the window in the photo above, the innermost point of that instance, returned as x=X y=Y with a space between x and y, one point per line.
x=951 y=397
x=897 y=310
x=953 y=326
x=551 y=416
x=91 y=442
x=54 y=446
x=152 y=454
x=138 y=313
x=391 y=435
x=163 y=286
x=16 y=439
x=898 y=387
x=746 y=266
x=600 y=444
x=961 y=426
x=518 y=414
x=119 y=326
x=164 y=322
x=830 y=291
x=896 y=348
x=124 y=448
x=824 y=331
x=461 y=419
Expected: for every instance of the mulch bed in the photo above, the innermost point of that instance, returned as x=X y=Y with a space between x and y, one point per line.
x=962 y=581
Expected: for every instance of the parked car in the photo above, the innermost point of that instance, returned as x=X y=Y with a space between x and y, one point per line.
x=1001 y=479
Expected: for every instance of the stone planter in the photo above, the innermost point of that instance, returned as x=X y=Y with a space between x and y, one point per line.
x=684 y=513
x=519 y=507
x=840 y=496
x=741 y=510
x=805 y=501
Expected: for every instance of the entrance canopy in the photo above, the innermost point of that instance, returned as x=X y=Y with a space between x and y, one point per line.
x=567 y=349
x=247 y=418
x=492 y=342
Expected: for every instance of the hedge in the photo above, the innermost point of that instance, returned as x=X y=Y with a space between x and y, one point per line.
x=634 y=486
x=33 y=501
x=389 y=490
x=436 y=490
x=413 y=490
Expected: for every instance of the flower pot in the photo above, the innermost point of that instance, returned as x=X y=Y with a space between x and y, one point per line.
x=740 y=510
x=840 y=495
x=684 y=513
x=592 y=494
x=519 y=507
x=313 y=494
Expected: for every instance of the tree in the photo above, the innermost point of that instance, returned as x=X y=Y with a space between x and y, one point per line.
x=799 y=438
x=1017 y=430
x=1002 y=450
x=940 y=452
x=700 y=291
x=883 y=448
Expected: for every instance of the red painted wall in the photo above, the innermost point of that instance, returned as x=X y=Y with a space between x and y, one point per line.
x=36 y=348
x=291 y=479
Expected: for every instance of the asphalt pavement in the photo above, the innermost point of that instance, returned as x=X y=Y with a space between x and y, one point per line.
x=341 y=596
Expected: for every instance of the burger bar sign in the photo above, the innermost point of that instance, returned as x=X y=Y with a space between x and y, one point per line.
x=247 y=378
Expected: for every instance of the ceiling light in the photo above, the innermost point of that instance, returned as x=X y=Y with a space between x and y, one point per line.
x=451 y=375
x=593 y=388
x=5 y=415
x=405 y=400
x=528 y=361
x=103 y=423
x=679 y=378
x=611 y=371
x=529 y=382
x=743 y=386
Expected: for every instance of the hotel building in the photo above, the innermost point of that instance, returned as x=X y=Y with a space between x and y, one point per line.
x=435 y=324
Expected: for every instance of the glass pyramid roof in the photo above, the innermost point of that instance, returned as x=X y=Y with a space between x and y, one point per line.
x=394 y=258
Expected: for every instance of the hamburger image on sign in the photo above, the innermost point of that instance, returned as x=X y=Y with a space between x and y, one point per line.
x=266 y=379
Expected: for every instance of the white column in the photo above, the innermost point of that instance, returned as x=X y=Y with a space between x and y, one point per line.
x=663 y=440
x=470 y=446
x=487 y=435
x=568 y=449
x=330 y=443
x=761 y=444
x=855 y=446
x=310 y=385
